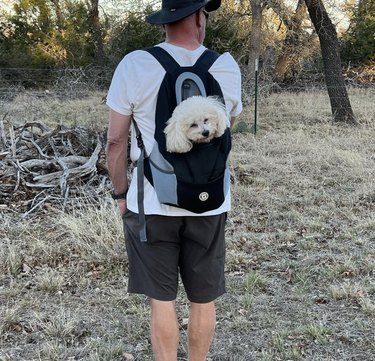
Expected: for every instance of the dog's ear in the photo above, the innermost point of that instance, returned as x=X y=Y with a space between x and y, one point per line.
x=176 y=140
x=222 y=121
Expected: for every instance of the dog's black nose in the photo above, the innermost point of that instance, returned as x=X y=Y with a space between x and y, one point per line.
x=205 y=133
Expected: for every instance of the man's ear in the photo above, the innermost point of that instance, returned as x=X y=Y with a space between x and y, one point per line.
x=198 y=19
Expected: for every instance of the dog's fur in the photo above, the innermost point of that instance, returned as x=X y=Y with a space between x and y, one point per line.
x=195 y=120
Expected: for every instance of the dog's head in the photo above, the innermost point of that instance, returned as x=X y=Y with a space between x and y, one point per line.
x=195 y=120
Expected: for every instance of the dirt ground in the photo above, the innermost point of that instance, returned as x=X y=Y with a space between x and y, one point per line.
x=300 y=250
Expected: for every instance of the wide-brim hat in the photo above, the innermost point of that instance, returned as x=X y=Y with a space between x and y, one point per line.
x=175 y=10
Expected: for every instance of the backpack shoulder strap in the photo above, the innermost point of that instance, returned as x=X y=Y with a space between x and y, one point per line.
x=163 y=57
x=206 y=60
x=166 y=60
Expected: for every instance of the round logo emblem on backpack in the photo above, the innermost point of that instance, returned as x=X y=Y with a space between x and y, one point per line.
x=203 y=196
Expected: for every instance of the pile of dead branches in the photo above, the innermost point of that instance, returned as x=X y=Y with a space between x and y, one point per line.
x=363 y=75
x=40 y=166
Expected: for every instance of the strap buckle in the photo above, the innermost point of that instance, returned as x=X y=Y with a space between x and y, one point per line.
x=140 y=143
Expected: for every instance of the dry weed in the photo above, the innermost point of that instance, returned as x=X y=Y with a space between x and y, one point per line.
x=300 y=248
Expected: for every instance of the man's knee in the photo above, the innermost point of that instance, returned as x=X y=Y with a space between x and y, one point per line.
x=202 y=307
x=162 y=305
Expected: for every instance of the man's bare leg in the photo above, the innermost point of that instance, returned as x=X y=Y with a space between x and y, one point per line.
x=201 y=330
x=164 y=330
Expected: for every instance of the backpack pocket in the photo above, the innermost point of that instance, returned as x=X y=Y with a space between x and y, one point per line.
x=199 y=198
x=163 y=179
x=191 y=184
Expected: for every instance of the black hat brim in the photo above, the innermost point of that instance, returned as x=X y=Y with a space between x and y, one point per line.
x=167 y=16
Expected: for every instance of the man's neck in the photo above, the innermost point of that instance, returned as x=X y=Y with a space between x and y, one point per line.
x=186 y=35
x=183 y=44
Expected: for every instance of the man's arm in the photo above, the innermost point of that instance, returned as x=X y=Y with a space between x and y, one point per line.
x=117 y=152
x=232 y=120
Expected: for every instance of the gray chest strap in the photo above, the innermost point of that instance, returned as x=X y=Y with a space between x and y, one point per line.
x=140 y=184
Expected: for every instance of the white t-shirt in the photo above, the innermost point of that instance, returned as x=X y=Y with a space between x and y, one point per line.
x=134 y=91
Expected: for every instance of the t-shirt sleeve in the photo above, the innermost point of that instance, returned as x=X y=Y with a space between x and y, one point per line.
x=123 y=89
x=227 y=72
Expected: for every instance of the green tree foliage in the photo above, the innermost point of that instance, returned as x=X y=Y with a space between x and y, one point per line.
x=227 y=31
x=35 y=36
x=47 y=33
x=23 y=30
x=76 y=35
x=132 y=33
x=359 y=41
x=62 y=33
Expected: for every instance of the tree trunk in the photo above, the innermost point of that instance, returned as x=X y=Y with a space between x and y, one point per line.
x=96 y=32
x=338 y=96
x=290 y=52
x=59 y=15
x=257 y=7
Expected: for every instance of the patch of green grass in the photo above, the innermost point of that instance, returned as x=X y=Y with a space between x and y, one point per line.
x=303 y=282
x=242 y=127
x=254 y=281
x=282 y=346
x=317 y=332
x=107 y=350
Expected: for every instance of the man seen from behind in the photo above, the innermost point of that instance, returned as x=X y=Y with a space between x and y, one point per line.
x=179 y=243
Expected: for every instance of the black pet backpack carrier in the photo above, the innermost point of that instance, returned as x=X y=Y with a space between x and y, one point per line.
x=197 y=180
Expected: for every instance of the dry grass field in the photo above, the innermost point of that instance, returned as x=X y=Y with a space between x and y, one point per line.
x=300 y=248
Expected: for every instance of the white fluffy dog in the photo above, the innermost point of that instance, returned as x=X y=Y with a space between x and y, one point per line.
x=197 y=119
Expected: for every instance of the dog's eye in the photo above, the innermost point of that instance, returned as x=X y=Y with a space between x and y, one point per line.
x=194 y=125
x=205 y=121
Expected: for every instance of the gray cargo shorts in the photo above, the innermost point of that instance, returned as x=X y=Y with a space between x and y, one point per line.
x=192 y=247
